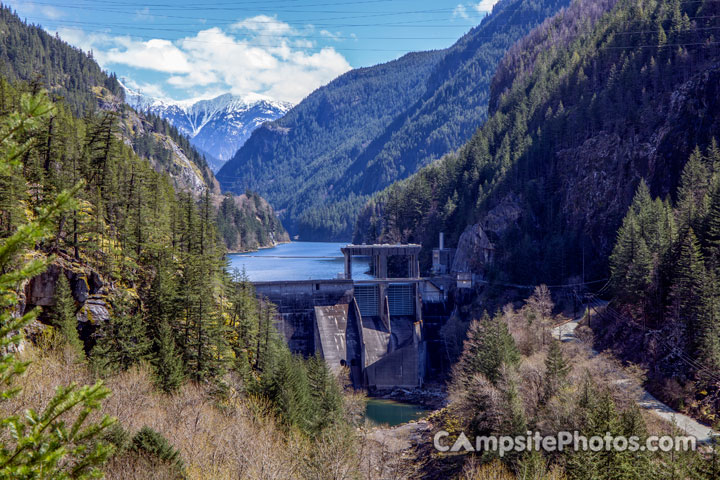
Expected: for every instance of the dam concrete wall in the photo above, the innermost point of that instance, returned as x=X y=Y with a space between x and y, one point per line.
x=296 y=302
x=322 y=316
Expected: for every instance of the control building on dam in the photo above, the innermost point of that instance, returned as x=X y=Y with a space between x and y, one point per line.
x=375 y=326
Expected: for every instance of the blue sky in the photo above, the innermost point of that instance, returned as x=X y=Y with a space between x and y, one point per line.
x=284 y=49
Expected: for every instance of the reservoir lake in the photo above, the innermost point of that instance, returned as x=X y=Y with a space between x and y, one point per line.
x=298 y=261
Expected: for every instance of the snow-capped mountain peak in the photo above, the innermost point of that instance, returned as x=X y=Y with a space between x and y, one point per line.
x=216 y=126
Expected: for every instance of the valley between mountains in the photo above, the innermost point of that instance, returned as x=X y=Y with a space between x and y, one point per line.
x=227 y=253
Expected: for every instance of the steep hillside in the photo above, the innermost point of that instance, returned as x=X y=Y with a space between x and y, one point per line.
x=217 y=127
x=377 y=125
x=30 y=55
x=595 y=100
x=455 y=102
x=247 y=222
x=296 y=161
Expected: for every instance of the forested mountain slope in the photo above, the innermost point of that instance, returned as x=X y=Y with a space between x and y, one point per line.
x=30 y=55
x=455 y=102
x=598 y=98
x=376 y=125
x=296 y=161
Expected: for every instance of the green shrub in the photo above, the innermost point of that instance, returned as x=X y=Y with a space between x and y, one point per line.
x=155 y=446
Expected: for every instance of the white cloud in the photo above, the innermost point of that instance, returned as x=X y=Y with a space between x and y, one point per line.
x=485 y=6
x=155 y=54
x=51 y=12
x=48 y=11
x=263 y=24
x=255 y=55
x=460 y=11
x=332 y=35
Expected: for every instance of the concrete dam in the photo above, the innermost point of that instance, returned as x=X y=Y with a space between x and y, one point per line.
x=374 y=327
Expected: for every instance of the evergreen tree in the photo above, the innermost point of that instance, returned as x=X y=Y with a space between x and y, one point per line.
x=267 y=341
x=692 y=193
x=712 y=231
x=167 y=361
x=58 y=441
x=122 y=342
x=556 y=369
x=599 y=416
x=243 y=313
x=288 y=388
x=532 y=465
x=203 y=339
x=64 y=315
x=514 y=422
x=325 y=395
x=631 y=263
x=688 y=284
x=489 y=346
x=707 y=331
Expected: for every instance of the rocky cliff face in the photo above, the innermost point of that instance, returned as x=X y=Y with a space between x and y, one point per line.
x=89 y=291
x=187 y=170
x=185 y=174
x=598 y=177
x=475 y=250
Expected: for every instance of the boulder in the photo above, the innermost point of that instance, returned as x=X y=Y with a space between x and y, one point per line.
x=95 y=311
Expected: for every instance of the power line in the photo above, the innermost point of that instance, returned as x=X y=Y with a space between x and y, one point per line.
x=235 y=5
x=313 y=21
x=673 y=349
x=284 y=37
x=71 y=23
x=331 y=36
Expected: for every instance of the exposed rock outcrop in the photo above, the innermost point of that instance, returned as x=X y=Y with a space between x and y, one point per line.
x=87 y=287
x=504 y=215
x=476 y=250
x=598 y=177
x=40 y=291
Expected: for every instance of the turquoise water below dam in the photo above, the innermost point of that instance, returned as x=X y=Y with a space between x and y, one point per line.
x=379 y=411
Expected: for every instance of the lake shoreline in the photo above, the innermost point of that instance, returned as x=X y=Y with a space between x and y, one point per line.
x=264 y=247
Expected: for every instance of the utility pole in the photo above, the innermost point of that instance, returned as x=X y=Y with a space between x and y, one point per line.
x=575 y=303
